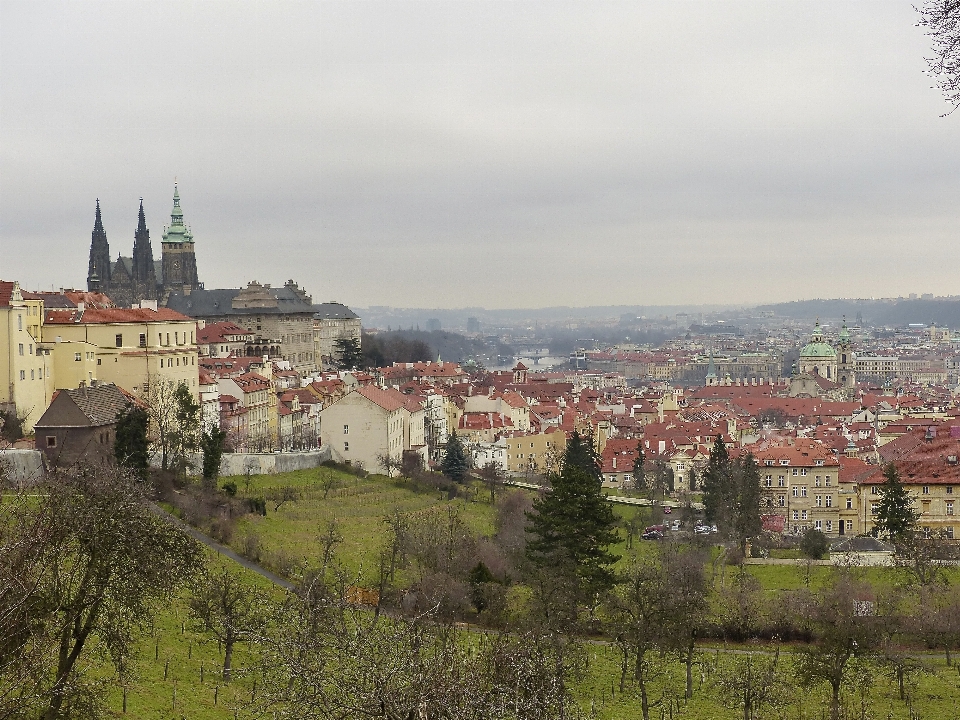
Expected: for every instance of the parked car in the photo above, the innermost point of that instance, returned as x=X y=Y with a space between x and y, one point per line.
x=652 y=535
x=701 y=529
x=675 y=525
x=656 y=528
x=667 y=509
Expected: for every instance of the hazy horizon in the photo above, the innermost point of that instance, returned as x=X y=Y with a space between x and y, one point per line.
x=504 y=155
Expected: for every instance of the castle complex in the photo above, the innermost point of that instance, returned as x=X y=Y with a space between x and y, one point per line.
x=129 y=280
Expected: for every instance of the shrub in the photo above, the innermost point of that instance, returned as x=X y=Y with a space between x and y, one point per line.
x=814 y=544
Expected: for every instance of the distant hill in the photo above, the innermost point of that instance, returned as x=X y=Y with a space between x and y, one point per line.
x=895 y=312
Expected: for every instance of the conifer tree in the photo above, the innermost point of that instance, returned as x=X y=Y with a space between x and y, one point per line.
x=639 y=472
x=895 y=518
x=717 y=495
x=572 y=526
x=130 y=446
x=455 y=463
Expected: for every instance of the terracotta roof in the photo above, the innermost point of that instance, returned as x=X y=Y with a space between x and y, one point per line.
x=113 y=315
x=390 y=400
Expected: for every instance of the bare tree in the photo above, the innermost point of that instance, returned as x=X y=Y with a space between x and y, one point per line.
x=388 y=463
x=752 y=682
x=329 y=480
x=280 y=495
x=941 y=20
x=230 y=609
x=685 y=603
x=83 y=571
x=493 y=476
x=328 y=660
x=842 y=617
x=637 y=616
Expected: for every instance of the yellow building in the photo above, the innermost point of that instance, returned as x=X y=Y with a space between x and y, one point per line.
x=24 y=369
x=135 y=347
x=535 y=452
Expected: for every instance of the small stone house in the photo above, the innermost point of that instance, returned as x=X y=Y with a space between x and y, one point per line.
x=80 y=424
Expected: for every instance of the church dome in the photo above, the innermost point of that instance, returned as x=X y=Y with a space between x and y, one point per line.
x=817 y=348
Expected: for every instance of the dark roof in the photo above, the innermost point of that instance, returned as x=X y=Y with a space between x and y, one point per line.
x=219 y=303
x=335 y=310
x=98 y=405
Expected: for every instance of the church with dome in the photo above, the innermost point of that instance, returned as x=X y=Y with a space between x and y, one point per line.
x=130 y=280
x=824 y=370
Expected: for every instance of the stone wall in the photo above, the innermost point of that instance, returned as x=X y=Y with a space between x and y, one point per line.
x=21 y=466
x=232 y=464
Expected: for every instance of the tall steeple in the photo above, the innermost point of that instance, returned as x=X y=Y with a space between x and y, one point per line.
x=144 y=275
x=178 y=258
x=98 y=269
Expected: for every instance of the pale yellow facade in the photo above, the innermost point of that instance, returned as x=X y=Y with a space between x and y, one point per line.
x=24 y=369
x=136 y=355
x=535 y=452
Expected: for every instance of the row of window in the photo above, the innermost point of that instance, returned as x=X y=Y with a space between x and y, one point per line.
x=924 y=489
x=170 y=362
x=34 y=374
x=782 y=480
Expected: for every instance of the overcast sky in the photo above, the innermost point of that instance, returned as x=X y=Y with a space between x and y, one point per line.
x=503 y=154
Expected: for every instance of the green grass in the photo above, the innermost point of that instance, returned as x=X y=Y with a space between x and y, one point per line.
x=359 y=506
x=290 y=536
x=176 y=649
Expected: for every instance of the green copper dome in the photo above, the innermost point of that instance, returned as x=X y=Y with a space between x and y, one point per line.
x=817 y=348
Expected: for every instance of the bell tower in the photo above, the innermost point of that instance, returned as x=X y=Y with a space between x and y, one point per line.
x=178 y=258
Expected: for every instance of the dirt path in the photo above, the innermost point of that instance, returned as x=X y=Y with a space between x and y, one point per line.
x=222 y=549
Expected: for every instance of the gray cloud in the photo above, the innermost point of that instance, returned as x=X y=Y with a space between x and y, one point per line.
x=498 y=154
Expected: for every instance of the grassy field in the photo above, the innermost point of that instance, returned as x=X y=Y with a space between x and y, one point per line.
x=289 y=538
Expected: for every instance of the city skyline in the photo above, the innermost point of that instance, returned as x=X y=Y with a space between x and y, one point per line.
x=580 y=155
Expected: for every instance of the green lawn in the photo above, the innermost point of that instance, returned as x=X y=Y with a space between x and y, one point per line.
x=290 y=536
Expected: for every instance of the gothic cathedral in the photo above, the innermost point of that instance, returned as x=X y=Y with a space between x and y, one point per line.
x=130 y=280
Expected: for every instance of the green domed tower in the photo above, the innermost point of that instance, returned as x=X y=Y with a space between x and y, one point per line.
x=179 y=262
x=819 y=357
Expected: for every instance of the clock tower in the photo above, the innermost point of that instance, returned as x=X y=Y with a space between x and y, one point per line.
x=178 y=261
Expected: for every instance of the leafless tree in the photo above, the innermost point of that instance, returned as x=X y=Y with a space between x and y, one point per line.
x=280 y=495
x=327 y=660
x=82 y=571
x=941 y=20
x=388 y=463
x=842 y=616
x=492 y=475
x=685 y=603
x=329 y=480
x=228 y=608
x=752 y=682
x=637 y=618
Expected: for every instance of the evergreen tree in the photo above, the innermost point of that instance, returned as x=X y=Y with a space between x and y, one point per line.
x=186 y=432
x=639 y=473
x=895 y=518
x=455 y=463
x=130 y=443
x=211 y=445
x=348 y=354
x=745 y=513
x=573 y=525
x=717 y=495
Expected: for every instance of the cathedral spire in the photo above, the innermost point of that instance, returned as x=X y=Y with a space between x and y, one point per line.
x=142 y=223
x=98 y=269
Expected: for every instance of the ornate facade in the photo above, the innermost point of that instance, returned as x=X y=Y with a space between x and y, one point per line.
x=130 y=280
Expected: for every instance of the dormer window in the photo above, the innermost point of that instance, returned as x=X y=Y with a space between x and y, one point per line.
x=784 y=462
